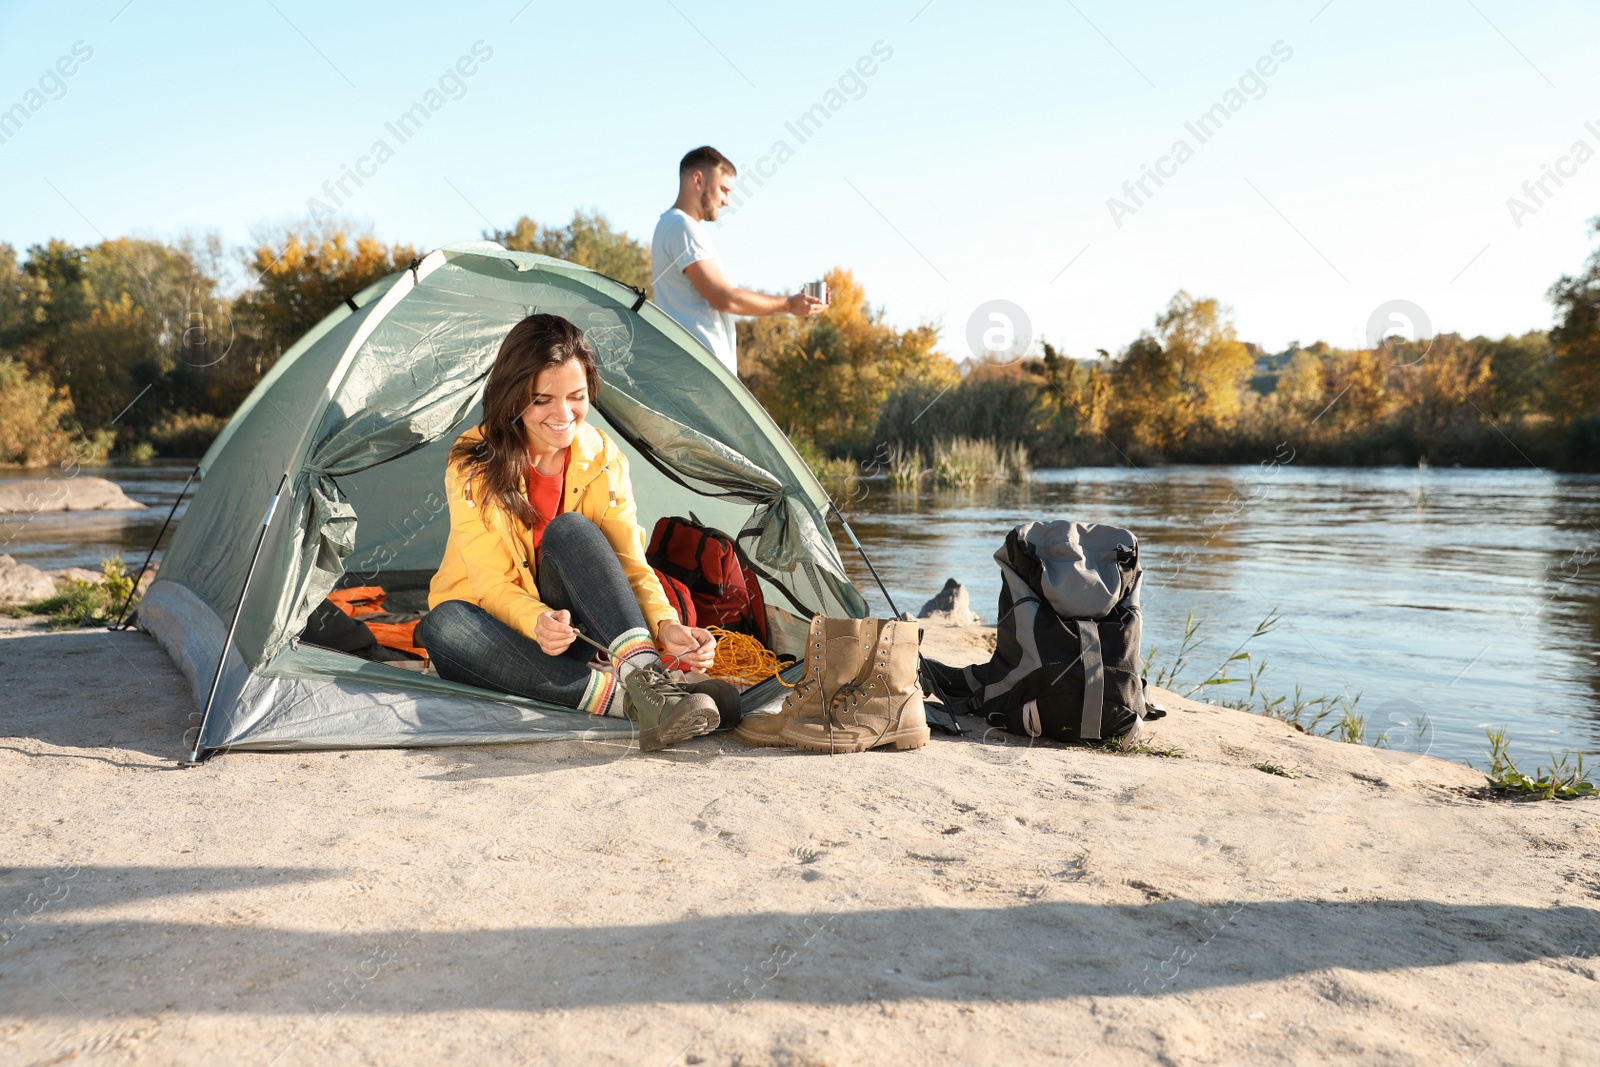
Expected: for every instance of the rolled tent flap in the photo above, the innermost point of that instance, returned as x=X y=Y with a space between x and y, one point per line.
x=688 y=452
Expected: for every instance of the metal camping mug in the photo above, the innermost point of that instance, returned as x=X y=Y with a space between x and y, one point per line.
x=816 y=290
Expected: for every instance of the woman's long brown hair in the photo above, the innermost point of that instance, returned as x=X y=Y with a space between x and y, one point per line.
x=499 y=463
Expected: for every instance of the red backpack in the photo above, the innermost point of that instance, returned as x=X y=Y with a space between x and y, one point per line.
x=678 y=596
x=720 y=582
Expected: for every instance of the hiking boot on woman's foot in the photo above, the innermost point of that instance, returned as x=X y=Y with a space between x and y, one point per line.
x=666 y=710
x=725 y=695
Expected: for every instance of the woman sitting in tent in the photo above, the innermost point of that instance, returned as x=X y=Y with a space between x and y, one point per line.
x=544 y=540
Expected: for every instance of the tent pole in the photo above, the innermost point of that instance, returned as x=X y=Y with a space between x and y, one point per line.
x=123 y=613
x=854 y=541
x=222 y=658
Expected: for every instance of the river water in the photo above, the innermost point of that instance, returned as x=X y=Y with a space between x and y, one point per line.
x=1470 y=595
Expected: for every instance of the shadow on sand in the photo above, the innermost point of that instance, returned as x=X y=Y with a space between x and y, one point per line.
x=425 y=960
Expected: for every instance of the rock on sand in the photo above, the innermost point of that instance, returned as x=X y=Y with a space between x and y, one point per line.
x=951 y=604
x=21 y=582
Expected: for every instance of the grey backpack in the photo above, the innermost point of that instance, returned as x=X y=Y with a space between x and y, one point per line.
x=1066 y=662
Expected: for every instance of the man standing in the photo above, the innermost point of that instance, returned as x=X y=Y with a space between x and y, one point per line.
x=689 y=283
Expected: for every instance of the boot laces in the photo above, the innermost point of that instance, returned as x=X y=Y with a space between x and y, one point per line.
x=657 y=681
x=850 y=690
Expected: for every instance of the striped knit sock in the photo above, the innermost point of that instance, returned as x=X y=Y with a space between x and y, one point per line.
x=633 y=648
x=602 y=696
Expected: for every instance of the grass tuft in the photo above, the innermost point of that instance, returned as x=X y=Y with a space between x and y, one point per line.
x=1562 y=780
x=1121 y=746
x=906 y=469
x=957 y=463
x=1326 y=716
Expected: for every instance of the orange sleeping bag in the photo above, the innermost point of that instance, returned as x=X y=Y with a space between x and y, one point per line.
x=360 y=600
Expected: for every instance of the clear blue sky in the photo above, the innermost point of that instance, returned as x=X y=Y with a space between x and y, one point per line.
x=974 y=164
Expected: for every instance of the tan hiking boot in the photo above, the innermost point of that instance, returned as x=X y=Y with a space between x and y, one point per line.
x=666 y=711
x=832 y=656
x=880 y=707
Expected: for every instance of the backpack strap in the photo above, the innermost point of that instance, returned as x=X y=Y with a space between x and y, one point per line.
x=1094 y=678
x=694 y=578
x=700 y=554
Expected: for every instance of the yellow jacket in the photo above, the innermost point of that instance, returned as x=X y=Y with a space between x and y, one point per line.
x=484 y=558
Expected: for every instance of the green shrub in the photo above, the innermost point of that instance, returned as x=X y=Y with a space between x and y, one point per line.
x=1007 y=411
x=35 y=421
x=1581 y=443
x=827 y=468
x=82 y=603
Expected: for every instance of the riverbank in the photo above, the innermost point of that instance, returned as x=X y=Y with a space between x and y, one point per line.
x=964 y=902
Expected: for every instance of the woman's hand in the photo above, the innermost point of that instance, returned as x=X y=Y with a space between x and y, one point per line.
x=553 y=630
x=687 y=648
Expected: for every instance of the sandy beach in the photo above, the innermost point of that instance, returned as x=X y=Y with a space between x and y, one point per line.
x=978 y=900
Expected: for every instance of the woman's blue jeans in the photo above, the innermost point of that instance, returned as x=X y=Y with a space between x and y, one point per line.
x=578 y=572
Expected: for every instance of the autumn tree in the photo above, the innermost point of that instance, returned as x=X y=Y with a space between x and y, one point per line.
x=1186 y=375
x=37 y=426
x=300 y=278
x=107 y=322
x=589 y=241
x=827 y=377
x=1079 y=394
x=1440 y=380
x=24 y=298
x=1521 y=376
x=1358 y=389
x=1302 y=385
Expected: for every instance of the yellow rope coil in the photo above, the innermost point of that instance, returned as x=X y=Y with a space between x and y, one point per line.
x=741 y=658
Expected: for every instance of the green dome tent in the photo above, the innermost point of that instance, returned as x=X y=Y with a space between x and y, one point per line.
x=331 y=473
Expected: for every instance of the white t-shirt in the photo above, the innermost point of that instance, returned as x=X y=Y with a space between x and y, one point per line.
x=679 y=241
